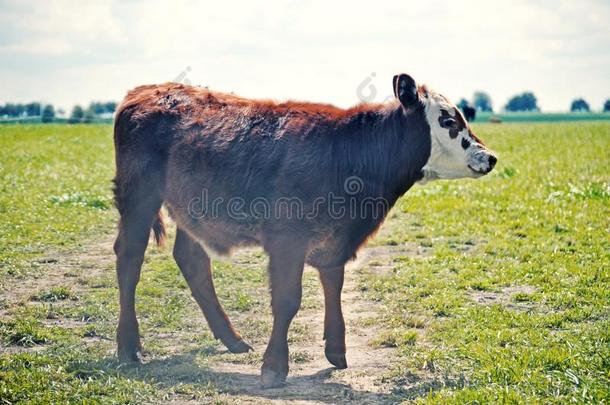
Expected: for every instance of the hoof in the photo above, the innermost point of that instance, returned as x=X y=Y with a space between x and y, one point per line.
x=272 y=379
x=337 y=359
x=240 y=347
x=130 y=356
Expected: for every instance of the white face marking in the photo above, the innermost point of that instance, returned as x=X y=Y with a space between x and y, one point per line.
x=454 y=153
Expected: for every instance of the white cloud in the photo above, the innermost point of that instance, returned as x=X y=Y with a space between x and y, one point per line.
x=38 y=46
x=75 y=52
x=76 y=21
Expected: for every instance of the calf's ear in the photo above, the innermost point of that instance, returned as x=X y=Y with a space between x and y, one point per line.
x=405 y=90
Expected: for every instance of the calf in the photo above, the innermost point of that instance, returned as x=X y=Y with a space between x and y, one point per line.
x=307 y=182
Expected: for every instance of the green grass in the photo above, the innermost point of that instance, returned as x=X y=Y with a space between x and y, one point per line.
x=54 y=190
x=24 y=332
x=508 y=300
x=54 y=294
x=539 y=223
x=532 y=117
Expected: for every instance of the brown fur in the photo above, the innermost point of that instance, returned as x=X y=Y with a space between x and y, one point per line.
x=174 y=142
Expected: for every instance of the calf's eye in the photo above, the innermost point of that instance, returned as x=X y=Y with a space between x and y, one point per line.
x=448 y=122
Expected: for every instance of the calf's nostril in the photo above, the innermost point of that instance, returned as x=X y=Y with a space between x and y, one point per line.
x=492 y=161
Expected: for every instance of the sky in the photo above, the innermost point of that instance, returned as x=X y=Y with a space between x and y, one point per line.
x=68 y=52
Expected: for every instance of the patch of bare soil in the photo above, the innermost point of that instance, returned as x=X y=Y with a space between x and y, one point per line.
x=507 y=297
x=60 y=269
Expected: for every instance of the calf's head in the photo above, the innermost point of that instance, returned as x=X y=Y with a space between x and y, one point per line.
x=455 y=150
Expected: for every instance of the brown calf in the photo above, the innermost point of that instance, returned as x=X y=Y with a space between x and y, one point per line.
x=308 y=182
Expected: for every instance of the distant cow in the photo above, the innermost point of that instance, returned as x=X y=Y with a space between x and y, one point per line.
x=469 y=113
x=235 y=172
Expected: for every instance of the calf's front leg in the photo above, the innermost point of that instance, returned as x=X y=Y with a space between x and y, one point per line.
x=334 y=325
x=285 y=274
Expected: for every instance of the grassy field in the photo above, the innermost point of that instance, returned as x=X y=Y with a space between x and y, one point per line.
x=531 y=117
x=505 y=297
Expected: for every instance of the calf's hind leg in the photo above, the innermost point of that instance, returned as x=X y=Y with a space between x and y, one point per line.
x=197 y=270
x=130 y=245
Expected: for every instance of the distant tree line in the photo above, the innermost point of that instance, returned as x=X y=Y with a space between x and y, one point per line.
x=47 y=112
x=20 y=110
x=79 y=114
x=580 y=105
x=525 y=101
x=480 y=101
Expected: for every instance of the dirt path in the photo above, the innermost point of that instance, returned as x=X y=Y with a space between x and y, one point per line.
x=312 y=380
x=315 y=381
